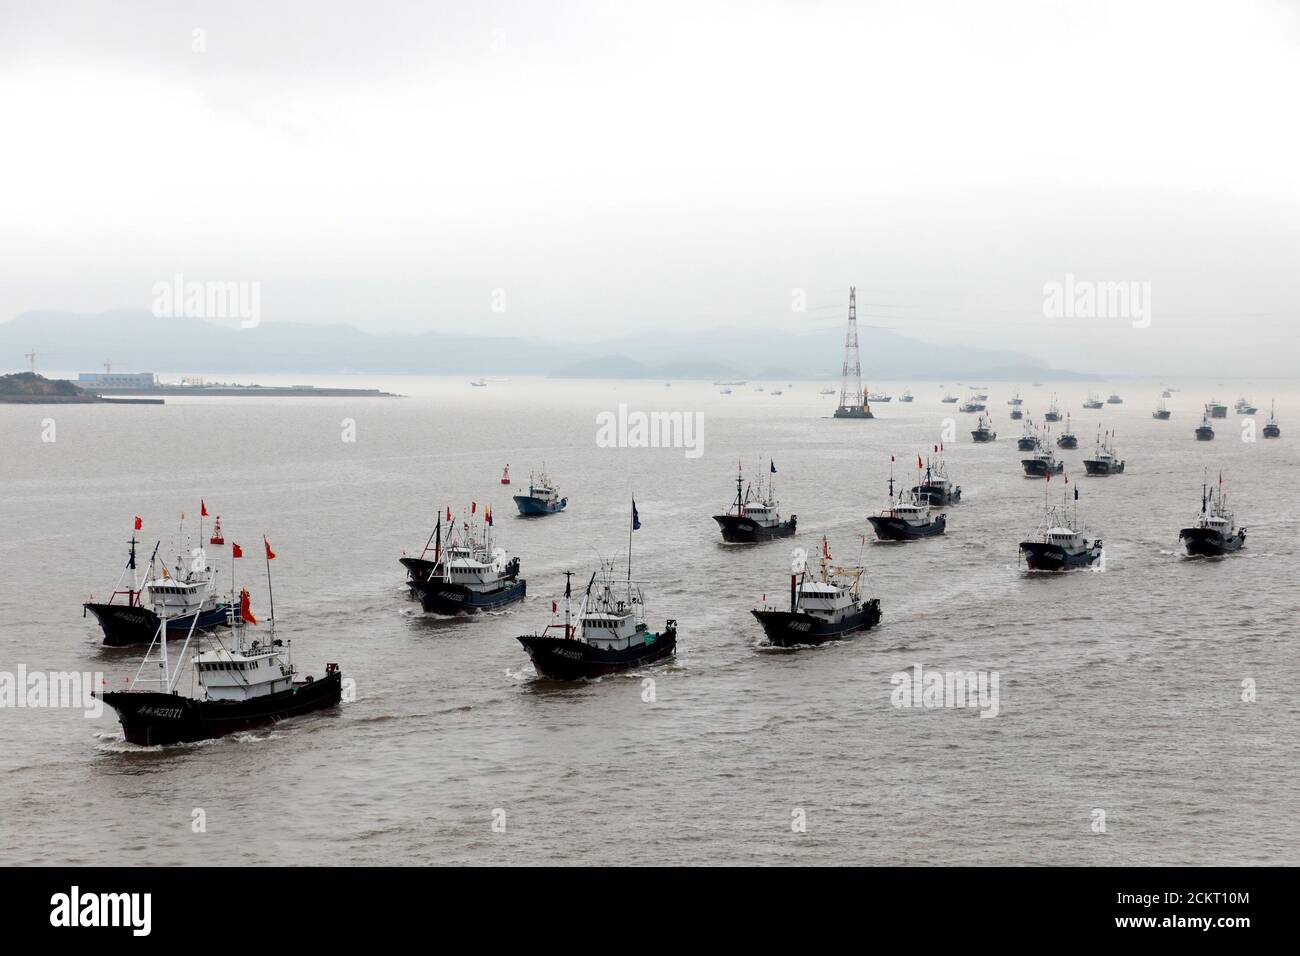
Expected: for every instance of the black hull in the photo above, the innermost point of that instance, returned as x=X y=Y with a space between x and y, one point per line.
x=1205 y=434
x=417 y=569
x=983 y=437
x=1207 y=543
x=557 y=658
x=1051 y=417
x=437 y=597
x=1027 y=444
x=1103 y=468
x=125 y=625
x=796 y=629
x=741 y=530
x=1040 y=556
x=895 y=529
x=936 y=495
x=152 y=719
x=1017 y=415
x=1160 y=416
x=1034 y=468
x=1070 y=442
x=1272 y=432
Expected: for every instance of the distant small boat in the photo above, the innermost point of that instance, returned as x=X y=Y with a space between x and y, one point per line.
x=776 y=391
x=479 y=383
x=906 y=396
x=725 y=391
x=879 y=397
x=1067 y=439
x=1243 y=407
x=1053 y=413
x=1093 y=401
x=542 y=498
x=1165 y=394
x=827 y=391
x=1162 y=410
x=949 y=399
x=1015 y=400
x=983 y=431
x=1205 y=431
x=1217 y=409
x=1114 y=399
x=1271 y=429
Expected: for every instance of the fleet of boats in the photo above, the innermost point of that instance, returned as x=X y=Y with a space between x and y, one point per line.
x=246 y=679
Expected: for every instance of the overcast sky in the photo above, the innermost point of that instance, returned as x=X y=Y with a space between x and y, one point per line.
x=616 y=166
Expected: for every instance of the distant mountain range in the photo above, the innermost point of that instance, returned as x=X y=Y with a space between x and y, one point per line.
x=137 y=341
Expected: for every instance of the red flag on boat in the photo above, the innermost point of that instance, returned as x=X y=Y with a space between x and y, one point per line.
x=891 y=459
x=236 y=551
x=449 y=514
x=270 y=555
x=473 y=507
x=918 y=462
x=203 y=508
x=139 y=522
x=246 y=606
x=1049 y=474
x=555 y=608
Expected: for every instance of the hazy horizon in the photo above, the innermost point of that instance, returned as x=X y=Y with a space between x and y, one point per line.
x=571 y=171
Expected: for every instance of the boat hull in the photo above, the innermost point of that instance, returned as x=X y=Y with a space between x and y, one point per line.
x=1161 y=416
x=1208 y=543
x=1272 y=431
x=529 y=505
x=124 y=625
x=896 y=529
x=1103 y=468
x=1017 y=414
x=737 y=529
x=417 y=569
x=796 y=628
x=1219 y=411
x=437 y=597
x=983 y=436
x=1052 y=417
x=1067 y=441
x=152 y=718
x=1204 y=434
x=1027 y=444
x=1036 y=468
x=559 y=658
x=937 y=494
x=1040 y=556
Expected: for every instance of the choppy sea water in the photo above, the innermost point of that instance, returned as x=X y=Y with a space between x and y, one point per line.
x=1120 y=690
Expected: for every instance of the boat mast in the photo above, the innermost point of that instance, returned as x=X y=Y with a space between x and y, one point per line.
x=266 y=548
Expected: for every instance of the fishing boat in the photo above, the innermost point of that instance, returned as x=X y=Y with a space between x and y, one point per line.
x=972 y=405
x=1104 y=461
x=827 y=608
x=755 y=514
x=936 y=488
x=906 y=396
x=1214 y=532
x=1217 y=409
x=949 y=399
x=724 y=391
x=1205 y=430
x=1017 y=414
x=1029 y=439
x=1166 y=394
x=1015 y=399
x=479 y=383
x=610 y=633
x=1243 y=407
x=827 y=391
x=1060 y=543
x=1067 y=439
x=542 y=497
x=777 y=391
x=469 y=573
x=983 y=431
x=244 y=684
x=1093 y=401
x=1114 y=399
x=1162 y=410
x=1042 y=464
x=1053 y=413
x=909 y=517
x=505 y=476
x=879 y=397
x=185 y=594
x=1271 y=428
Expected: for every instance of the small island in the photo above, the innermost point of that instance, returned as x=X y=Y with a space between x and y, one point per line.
x=28 y=388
